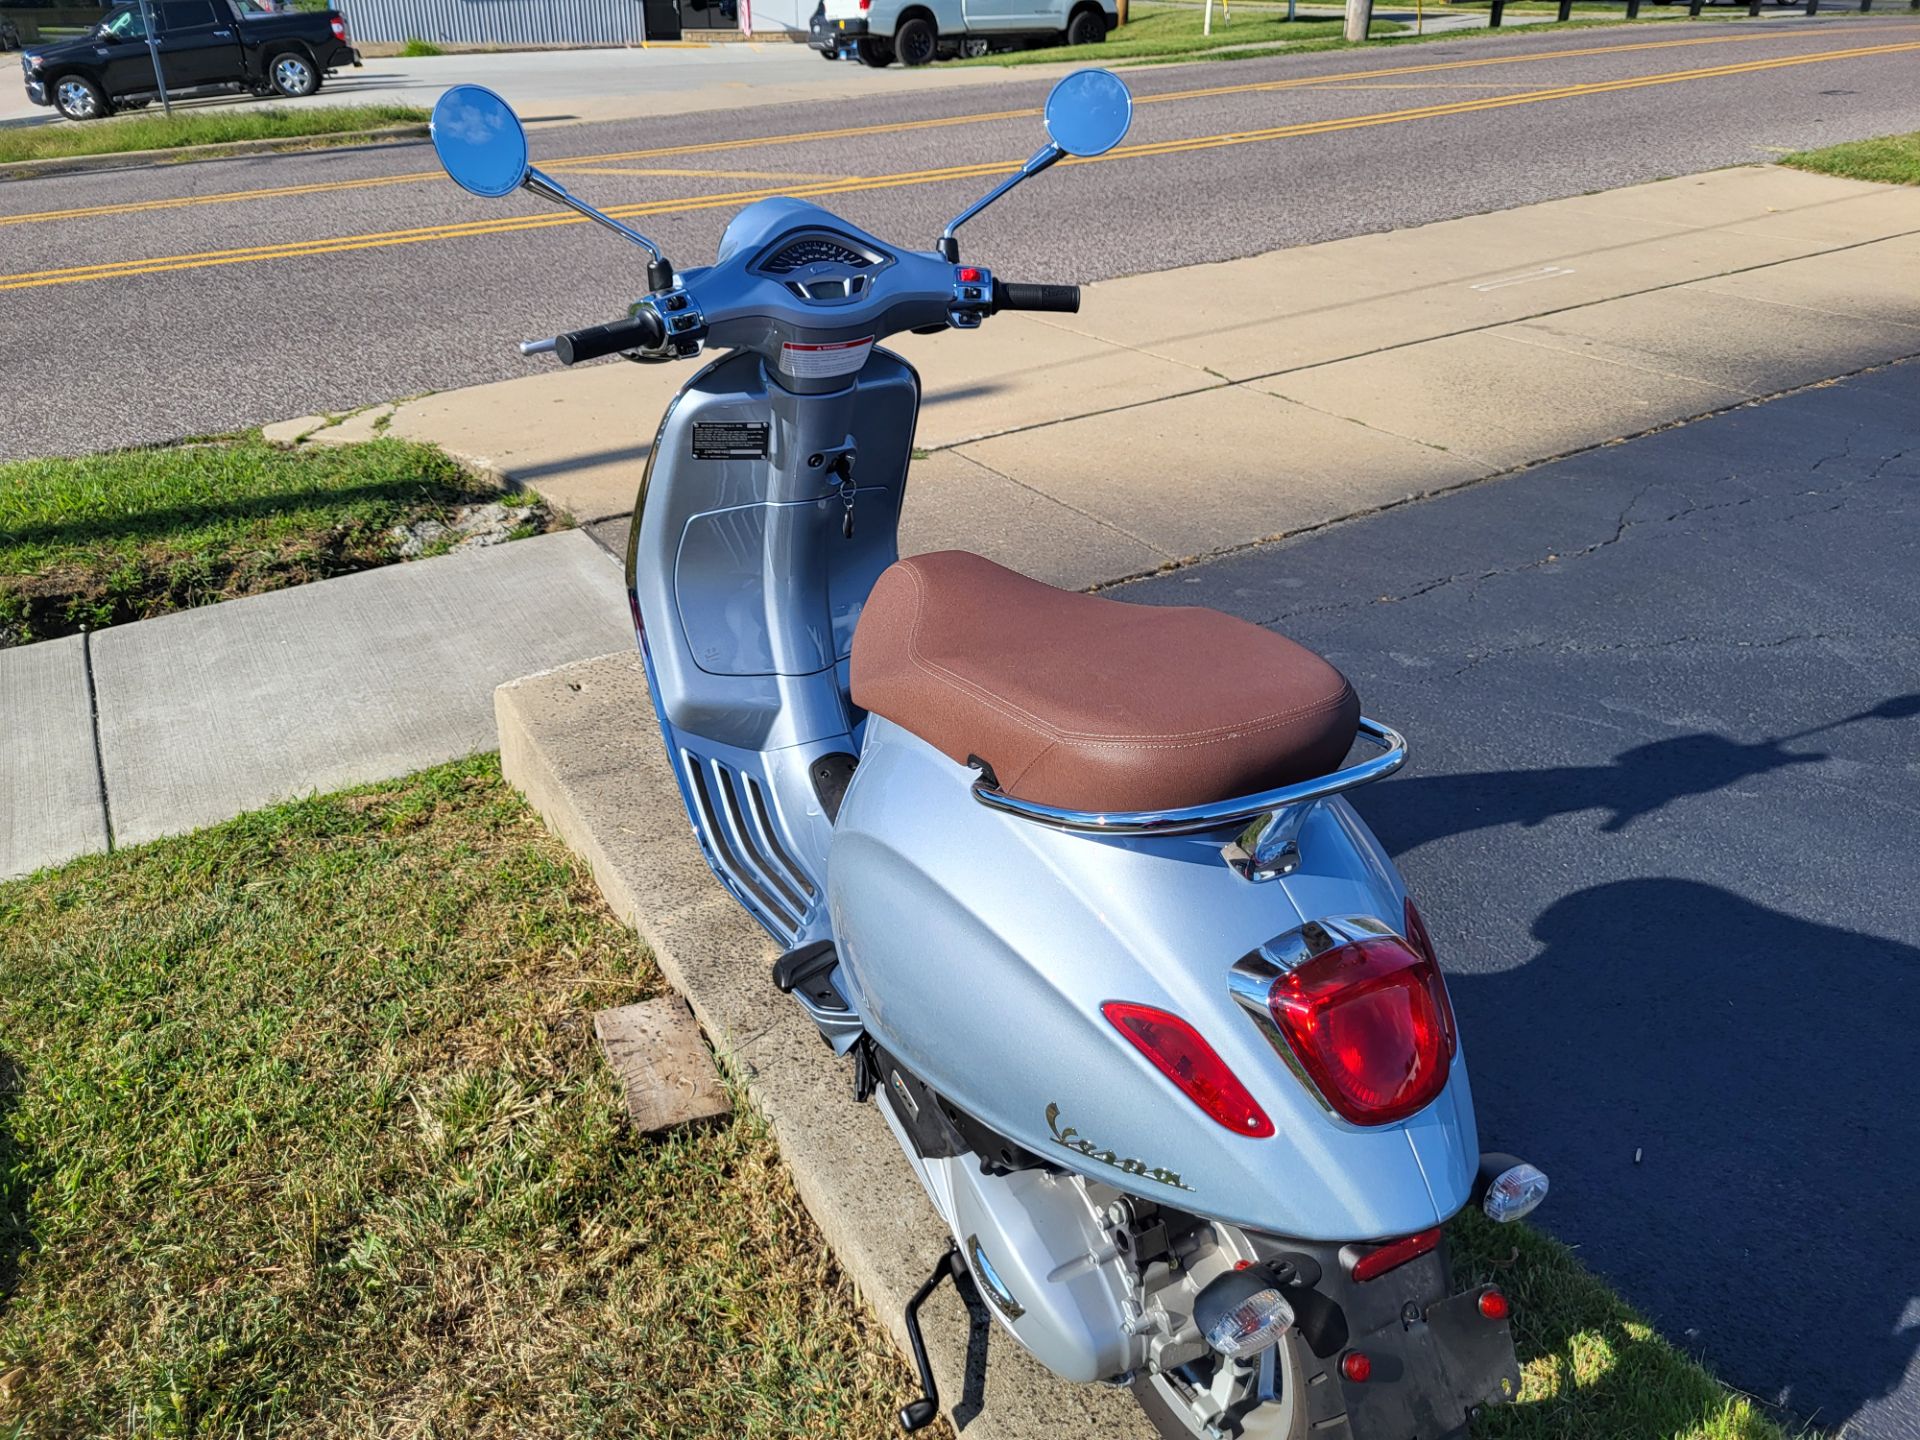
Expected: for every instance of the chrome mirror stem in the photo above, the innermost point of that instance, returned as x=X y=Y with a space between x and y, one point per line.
x=548 y=188
x=1043 y=157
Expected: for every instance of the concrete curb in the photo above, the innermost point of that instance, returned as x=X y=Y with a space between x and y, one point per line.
x=580 y=743
x=188 y=154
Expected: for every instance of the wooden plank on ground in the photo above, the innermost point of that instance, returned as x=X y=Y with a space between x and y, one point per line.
x=656 y=1050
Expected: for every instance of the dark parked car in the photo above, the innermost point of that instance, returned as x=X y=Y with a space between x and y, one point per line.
x=204 y=45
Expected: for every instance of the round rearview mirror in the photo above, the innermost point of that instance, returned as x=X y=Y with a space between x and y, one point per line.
x=479 y=140
x=1089 y=111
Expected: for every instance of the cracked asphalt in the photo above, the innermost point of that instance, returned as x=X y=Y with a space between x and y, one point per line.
x=1663 y=699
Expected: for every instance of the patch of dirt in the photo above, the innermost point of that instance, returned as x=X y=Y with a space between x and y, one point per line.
x=472 y=527
x=160 y=579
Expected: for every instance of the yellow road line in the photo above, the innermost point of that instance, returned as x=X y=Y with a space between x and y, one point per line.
x=851 y=132
x=121 y=269
x=802 y=176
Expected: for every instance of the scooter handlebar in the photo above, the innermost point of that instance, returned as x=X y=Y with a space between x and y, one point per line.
x=644 y=331
x=1062 y=298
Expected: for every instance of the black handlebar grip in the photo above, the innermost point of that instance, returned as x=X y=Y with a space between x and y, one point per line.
x=644 y=331
x=1065 y=298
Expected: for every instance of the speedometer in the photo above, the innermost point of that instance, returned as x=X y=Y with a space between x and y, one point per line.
x=813 y=250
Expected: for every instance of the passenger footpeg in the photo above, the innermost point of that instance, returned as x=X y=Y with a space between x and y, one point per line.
x=918 y=1414
x=809 y=971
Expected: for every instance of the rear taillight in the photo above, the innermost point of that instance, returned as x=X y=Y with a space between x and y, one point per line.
x=865 y=5
x=1370 y=1025
x=1423 y=942
x=340 y=28
x=1179 y=1053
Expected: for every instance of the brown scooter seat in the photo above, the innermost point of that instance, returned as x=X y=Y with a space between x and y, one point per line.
x=1092 y=704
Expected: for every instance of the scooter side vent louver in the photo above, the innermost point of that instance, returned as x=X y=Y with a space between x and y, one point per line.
x=746 y=842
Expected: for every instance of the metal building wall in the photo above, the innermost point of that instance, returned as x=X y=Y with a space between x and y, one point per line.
x=498 y=22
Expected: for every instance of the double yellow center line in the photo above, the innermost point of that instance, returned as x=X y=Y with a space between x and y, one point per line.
x=414 y=177
x=120 y=269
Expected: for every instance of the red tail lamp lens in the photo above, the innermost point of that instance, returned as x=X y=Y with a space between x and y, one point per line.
x=1179 y=1053
x=1494 y=1305
x=1394 y=1254
x=339 y=28
x=1416 y=932
x=1356 y=1366
x=1370 y=1025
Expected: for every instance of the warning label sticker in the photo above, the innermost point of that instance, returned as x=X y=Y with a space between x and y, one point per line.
x=818 y=362
x=729 y=440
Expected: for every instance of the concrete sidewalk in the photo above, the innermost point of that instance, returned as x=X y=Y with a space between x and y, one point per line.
x=1188 y=412
x=159 y=727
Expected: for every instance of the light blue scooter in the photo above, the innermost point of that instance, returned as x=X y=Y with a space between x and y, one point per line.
x=1072 y=883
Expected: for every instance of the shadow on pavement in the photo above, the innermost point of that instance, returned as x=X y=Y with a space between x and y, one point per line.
x=16 y=1237
x=1713 y=1064
x=1724 y=1093
x=1636 y=784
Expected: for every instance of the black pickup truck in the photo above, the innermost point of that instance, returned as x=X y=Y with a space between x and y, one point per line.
x=203 y=45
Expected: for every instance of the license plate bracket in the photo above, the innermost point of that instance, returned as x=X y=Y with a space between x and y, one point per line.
x=1431 y=1373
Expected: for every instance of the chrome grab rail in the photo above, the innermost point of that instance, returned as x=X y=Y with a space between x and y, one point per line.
x=1220 y=813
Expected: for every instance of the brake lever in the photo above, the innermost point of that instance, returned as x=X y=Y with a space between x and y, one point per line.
x=539 y=347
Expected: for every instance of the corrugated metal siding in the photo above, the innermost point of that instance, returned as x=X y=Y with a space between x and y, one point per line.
x=498 y=22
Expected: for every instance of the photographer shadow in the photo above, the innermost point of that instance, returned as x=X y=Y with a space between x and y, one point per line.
x=1725 y=1097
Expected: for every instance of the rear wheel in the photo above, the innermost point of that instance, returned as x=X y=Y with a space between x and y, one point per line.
x=1252 y=1400
x=293 y=75
x=873 y=51
x=1087 y=27
x=916 y=41
x=1182 y=1412
x=78 y=98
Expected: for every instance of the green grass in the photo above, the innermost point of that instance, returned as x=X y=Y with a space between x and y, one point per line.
x=1891 y=159
x=417 y=49
x=109 y=538
x=150 y=131
x=304 y=1131
x=1591 y=1368
x=1172 y=33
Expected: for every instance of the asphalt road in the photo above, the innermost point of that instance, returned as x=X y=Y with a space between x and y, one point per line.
x=1664 y=707
x=150 y=304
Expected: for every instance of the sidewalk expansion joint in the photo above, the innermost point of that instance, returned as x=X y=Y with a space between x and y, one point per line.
x=1491 y=325
x=93 y=720
x=955 y=445
x=1585 y=305
x=1139 y=540
x=1588 y=354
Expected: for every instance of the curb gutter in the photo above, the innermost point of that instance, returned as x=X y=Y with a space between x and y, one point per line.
x=578 y=742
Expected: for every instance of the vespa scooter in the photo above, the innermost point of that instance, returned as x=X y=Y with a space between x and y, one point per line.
x=1071 y=883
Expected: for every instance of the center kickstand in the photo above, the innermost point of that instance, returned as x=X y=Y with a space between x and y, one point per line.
x=920 y=1413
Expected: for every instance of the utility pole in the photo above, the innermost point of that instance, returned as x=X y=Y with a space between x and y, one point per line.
x=153 y=51
x=1359 y=18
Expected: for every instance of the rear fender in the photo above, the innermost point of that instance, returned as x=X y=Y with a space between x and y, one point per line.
x=980 y=946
